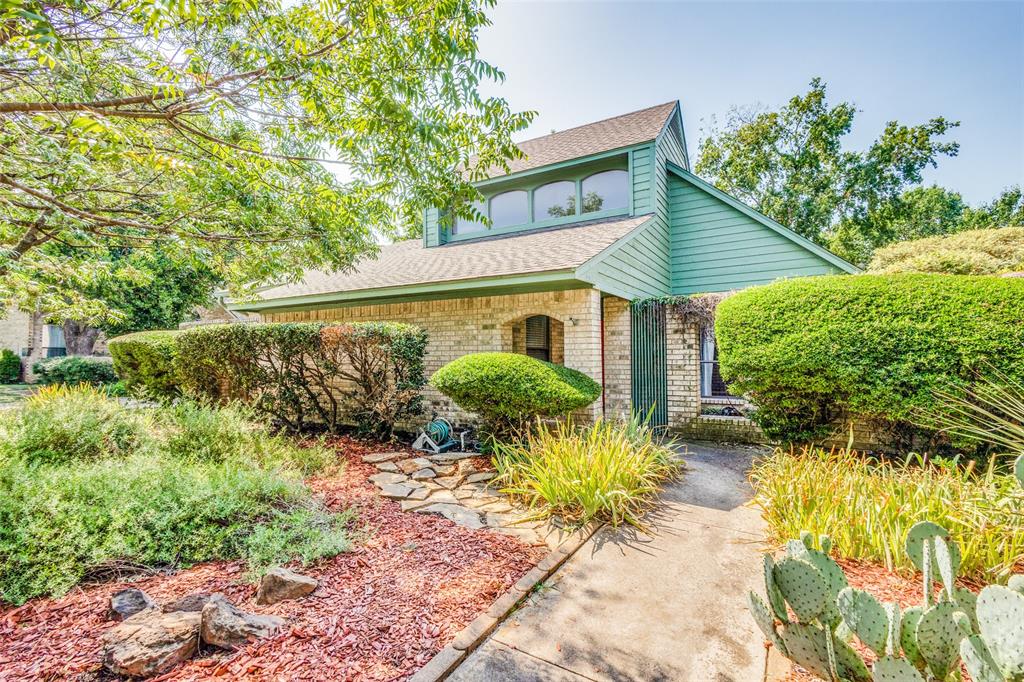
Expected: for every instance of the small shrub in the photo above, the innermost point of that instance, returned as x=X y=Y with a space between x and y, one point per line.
x=812 y=353
x=298 y=373
x=608 y=471
x=10 y=367
x=867 y=507
x=63 y=424
x=75 y=369
x=508 y=389
x=145 y=361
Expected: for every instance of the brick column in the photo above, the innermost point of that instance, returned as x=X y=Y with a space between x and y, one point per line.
x=682 y=341
x=617 y=358
x=583 y=344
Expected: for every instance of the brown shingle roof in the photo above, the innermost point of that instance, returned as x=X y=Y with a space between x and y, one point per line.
x=592 y=138
x=408 y=262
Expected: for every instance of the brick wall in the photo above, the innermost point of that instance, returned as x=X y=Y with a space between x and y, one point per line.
x=682 y=346
x=617 y=353
x=485 y=323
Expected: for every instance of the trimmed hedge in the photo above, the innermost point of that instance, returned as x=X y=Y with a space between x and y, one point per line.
x=145 y=360
x=292 y=371
x=507 y=389
x=814 y=352
x=75 y=369
x=10 y=366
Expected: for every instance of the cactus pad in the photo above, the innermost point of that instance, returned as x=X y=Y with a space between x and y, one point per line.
x=829 y=569
x=803 y=587
x=865 y=617
x=908 y=635
x=764 y=619
x=808 y=647
x=891 y=669
x=1018 y=470
x=894 y=626
x=938 y=638
x=967 y=602
x=944 y=560
x=775 y=599
x=926 y=531
x=1001 y=622
x=1016 y=583
x=978 y=660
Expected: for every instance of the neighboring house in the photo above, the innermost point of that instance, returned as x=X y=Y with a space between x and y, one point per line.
x=28 y=335
x=591 y=219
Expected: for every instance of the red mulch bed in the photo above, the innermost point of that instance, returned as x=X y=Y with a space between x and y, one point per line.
x=382 y=610
x=886 y=586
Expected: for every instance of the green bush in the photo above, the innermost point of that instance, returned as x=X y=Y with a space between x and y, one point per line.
x=508 y=389
x=10 y=366
x=292 y=372
x=608 y=471
x=812 y=353
x=87 y=485
x=974 y=252
x=75 y=369
x=145 y=361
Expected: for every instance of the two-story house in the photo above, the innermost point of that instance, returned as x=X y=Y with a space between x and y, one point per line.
x=589 y=220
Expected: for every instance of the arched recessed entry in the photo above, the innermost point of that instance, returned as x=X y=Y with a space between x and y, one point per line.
x=539 y=336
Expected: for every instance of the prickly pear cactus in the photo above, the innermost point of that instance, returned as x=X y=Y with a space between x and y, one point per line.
x=865 y=617
x=1001 y=623
x=938 y=638
x=803 y=587
x=891 y=669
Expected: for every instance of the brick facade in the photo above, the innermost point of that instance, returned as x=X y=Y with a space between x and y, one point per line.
x=485 y=323
x=617 y=358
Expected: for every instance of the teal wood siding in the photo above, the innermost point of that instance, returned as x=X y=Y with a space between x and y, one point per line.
x=672 y=142
x=642 y=167
x=637 y=266
x=716 y=247
x=432 y=228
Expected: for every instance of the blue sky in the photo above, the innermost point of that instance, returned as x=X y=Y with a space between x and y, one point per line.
x=575 y=62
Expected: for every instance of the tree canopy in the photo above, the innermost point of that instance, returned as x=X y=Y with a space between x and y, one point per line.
x=255 y=138
x=792 y=166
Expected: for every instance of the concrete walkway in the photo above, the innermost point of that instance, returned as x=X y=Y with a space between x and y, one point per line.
x=631 y=606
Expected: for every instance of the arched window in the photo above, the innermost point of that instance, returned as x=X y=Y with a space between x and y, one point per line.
x=466 y=225
x=554 y=200
x=606 y=191
x=538 y=337
x=510 y=208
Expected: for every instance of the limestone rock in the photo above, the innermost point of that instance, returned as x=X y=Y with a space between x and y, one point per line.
x=127 y=603
x=423 y=474
x=449 y=481
x=466 y=467
x=418 y=494
x=481 y=477
x=395 y=491
x=193 y=602
x=279 y=584
x=389 y=467
x=382 y=457
x=455 y=512
x=409 y=466
x=228 y=627
x=452 y=456
x=151 y=642
x=385 y=478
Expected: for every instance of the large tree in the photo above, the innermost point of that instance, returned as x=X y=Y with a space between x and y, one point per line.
x=791 y=165
x=214 y=129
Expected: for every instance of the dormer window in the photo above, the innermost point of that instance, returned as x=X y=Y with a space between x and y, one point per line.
x=510 y=208
x=468 y=225
x=605 y=191
x=554 y=200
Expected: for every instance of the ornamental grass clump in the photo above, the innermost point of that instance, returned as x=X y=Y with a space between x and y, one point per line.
x=608 y=471
x=868 y=506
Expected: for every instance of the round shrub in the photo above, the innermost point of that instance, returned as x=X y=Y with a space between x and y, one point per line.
x=506 y=389
x=812 y=353
x=10 y=366
x=75 y=369
x=145 y=360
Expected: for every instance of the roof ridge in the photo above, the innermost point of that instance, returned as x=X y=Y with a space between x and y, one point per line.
x=602 y=120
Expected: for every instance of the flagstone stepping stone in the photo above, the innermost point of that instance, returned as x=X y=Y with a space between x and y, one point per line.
x=419 y=494
x=449 y=457
x=449 y=481
x=481 y=477
x=414 y=484
x=423 y=474
x=409 y=466
x=389 y=467
x=462 y=494
x=443 y=496
x=384 y=478
x=527 y=535
x=495 y=505
x=456 y=513
x=444 y=469
x=395 y=491
x=383 y=457
x=412 y=505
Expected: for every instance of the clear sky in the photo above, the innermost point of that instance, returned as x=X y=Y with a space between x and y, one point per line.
x=575 y=62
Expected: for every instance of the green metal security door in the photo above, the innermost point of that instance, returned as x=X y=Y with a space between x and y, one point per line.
x=650 y=365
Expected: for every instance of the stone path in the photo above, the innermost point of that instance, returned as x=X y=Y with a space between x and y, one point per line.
x=669 y=605
x=452 y=485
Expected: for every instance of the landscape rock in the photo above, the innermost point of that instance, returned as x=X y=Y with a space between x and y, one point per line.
x=127 y=603
x=279 y=584
x=466 y=467
x=456 y=513
x=383 y=457
x=151 y=642
x=389 y=467
x=452 y=456
x=449 y=481
x=226 y=626
x=410 y=505
x=418 y=494
x=423 y=475
x=480 y=477
x=193 y=602
x=387 y=478
x=409 y=466
x=395 y=491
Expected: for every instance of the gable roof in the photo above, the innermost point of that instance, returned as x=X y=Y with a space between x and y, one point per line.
x=409 y=263
x=593 y=138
